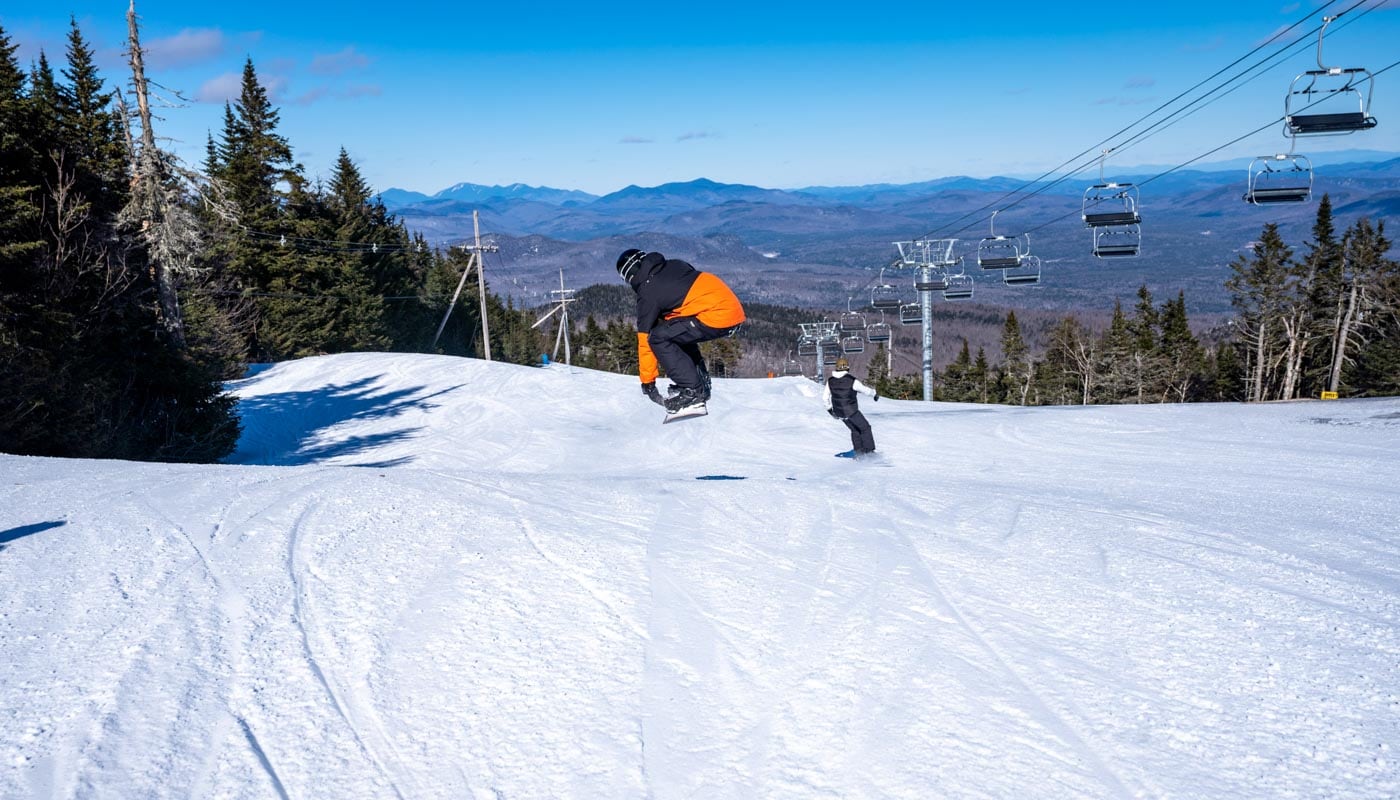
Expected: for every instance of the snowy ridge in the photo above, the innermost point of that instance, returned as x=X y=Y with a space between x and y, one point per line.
x=428 y=577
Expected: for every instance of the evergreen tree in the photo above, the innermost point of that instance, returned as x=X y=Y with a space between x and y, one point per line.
x=1301 y=316
x=980 y=377
x=1144 y=362
x=1257 y=287
x=255 y=157
x=722 y=356
x=319 y=301
x=1371 y=326
x=1324 y=301
x=877 y=372
x=956 y=387
x=253 y=160
x=1069 y=372
x=44 y=110
x=463 y=327
x=1118 y=367
x=380 y=250
x=19 y=216
x=87 y=368
x=91 y=129
x=1017 y=366
x=1225 y=374
x=1180 y=353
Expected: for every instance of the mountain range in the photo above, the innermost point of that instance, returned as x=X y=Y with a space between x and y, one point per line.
x=826 y=246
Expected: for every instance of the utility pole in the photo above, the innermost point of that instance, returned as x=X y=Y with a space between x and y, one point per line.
x=474 y=260
x=563 y=297
x=477 y=249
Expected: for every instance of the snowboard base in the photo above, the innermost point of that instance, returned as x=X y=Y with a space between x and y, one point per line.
x=697 y=410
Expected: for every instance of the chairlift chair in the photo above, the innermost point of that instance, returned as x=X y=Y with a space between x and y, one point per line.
x=884 y=297
x=911 y=314
x=852 y=320
x=1028 y=274
x=1001 y=252
x=1282 y=178
x=1110 y=204
x=877 y=332
x=1118 y=241
x=959 y=288
x=1331 y=92
x=854 y=343
x=830 y=355
x=806 y=347
x=792 y=368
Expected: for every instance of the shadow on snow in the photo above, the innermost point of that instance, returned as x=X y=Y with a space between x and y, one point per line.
x=298 y=423
x=27 y=530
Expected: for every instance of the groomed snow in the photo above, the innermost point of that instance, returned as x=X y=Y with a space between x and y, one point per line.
x=430 y=577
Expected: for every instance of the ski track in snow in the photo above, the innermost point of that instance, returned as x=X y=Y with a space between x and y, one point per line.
x=456 y=579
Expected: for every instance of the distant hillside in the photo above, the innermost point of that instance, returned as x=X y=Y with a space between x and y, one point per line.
x=821 y=246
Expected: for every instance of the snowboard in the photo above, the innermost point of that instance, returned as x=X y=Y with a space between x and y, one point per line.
x=697 y=410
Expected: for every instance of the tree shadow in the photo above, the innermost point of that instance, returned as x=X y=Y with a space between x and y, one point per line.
x=287 y=428
x=22 y=531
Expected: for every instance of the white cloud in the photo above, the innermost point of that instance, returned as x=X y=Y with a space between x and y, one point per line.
x=634 y=140
x=227 y=87
x=222 y=89
x=362 y=90
x=189 y=46
x=339 y=63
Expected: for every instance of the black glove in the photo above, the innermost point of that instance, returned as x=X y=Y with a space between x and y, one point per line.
x=877 y=397
x=833 y=413
x=649 y=389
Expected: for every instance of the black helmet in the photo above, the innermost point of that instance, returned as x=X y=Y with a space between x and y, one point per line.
x=628 y=262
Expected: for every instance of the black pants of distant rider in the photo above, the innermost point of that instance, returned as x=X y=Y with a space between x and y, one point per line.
x=676 y=344
x=862 y=440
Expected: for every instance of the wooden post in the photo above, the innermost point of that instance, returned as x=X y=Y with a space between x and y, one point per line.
x=481 y=286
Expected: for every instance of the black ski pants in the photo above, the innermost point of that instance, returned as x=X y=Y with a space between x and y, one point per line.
x=862 y=440
x=676 y=345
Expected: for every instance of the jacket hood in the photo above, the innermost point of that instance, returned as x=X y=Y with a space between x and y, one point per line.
x=650 y=263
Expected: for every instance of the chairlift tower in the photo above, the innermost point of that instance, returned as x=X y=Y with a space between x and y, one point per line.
x=929 y=258
x=826 y=337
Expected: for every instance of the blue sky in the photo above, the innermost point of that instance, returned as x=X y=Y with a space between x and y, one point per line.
x=601 y=96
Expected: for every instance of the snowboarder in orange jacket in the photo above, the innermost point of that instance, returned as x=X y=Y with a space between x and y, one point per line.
x=678 y=307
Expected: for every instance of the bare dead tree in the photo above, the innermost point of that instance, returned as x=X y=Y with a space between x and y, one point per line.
x=162 y=190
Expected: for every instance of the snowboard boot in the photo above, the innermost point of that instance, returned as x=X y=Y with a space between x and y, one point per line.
x=704 y=383
x=684 y=398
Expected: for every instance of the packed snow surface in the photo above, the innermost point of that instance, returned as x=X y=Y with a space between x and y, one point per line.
x=431 y=577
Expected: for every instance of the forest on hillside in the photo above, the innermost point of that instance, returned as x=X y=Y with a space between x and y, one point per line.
x=132 y=286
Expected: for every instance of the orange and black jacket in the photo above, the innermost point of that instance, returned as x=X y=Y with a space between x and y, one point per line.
x=668 y=288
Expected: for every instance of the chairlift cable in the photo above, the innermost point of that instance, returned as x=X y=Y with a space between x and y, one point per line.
x=1301 y=38
x=1304 y=39
x=1208 y=153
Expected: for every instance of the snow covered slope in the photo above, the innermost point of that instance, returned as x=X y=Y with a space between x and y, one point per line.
x=428 y=577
